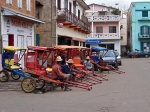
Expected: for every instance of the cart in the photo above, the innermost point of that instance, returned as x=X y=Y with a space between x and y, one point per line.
x=10 y=65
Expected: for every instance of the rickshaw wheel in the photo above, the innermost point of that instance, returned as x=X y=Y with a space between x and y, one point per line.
x=39 y=84
x=15 y=77
x=28 y=84
x=4 y=76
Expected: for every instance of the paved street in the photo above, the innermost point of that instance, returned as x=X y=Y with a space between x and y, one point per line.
x=129 y=92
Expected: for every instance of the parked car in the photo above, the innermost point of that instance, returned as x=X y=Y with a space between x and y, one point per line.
x=110 y=57
x=138 y=53
x=118 y=58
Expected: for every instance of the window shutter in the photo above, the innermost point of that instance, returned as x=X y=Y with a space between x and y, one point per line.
x=20 y=3
x=149 y=30
x=10 y=1
x=29 y=5
x=141 y=30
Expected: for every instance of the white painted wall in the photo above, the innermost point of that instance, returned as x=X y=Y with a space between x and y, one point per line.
x=17 y=31
x=65 y=31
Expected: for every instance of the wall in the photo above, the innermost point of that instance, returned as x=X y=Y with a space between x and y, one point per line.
x=47 y=31
x=21 y=10
x=123 y=31
x=136 y=16
x=70 y=32
x=106 y=26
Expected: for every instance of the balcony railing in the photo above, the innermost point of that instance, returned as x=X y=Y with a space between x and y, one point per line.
x=103 y=36
x=65 y=14
x=104 y=18
x=144 y=36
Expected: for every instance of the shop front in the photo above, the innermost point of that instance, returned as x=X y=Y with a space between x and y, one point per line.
x=65 y=40
x=17 y=29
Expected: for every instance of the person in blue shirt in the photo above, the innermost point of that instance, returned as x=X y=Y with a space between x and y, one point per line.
x=66 y=68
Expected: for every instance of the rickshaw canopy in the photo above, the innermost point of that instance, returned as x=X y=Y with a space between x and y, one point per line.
x=12 y=48
x=39 y=48
x=64 y=47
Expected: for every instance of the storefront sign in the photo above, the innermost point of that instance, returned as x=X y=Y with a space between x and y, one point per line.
x=93 y=41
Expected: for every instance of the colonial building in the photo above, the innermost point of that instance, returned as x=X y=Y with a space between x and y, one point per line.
x=139 y=26
x=17 y=19
x=105 y=27
x=65 y=22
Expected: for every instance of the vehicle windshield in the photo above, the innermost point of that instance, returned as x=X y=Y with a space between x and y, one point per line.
x=107 y=54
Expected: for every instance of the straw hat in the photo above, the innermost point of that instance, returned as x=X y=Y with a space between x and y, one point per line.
x=70 y=61
x=87 y=57
x=58 y=58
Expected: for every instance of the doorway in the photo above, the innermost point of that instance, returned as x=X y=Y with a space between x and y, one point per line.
x=10 y=40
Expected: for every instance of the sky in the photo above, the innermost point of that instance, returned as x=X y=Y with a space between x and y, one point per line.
x=122 y=4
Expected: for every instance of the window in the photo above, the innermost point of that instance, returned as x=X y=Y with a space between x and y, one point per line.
x=102 y=13
x=28 y=4
x=78 y=14
x=59 y=4
x=112 y=29
x=144 y=30
x=144 y=13
x=99 y=29
x=20 y=3
x=9 y=1
x=70 y=7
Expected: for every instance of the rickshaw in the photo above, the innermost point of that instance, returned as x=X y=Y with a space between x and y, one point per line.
x=98 y=52
x=78 y=54
x=11 y=65
x=36 y=64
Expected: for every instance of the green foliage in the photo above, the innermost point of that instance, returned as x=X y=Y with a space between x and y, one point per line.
x=116 y=12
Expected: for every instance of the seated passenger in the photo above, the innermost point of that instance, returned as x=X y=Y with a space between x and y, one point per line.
x=57 y=73
x=88 y=64
x=67 y=68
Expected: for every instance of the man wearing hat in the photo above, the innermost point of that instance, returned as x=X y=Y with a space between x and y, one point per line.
x=67 y=68
x=57 y=73
x=88 y=64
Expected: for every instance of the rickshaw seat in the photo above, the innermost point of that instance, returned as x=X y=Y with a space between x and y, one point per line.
x=77 y=62
x=49 y=69
x=11 y=62
x=14 y=67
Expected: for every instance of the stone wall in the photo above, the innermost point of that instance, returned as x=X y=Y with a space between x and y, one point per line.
x=47 y=31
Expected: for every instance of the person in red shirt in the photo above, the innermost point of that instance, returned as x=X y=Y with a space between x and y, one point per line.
x=57 y=72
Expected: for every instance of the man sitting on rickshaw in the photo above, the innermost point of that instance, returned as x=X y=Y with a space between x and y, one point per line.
x=88 y=64
x=57 y=73
x=67 y=69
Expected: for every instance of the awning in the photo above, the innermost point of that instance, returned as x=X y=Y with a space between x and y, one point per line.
x=7 y=12
x=93 y=41
x=78 y=39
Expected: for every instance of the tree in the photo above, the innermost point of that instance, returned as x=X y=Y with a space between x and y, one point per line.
x=116 y=12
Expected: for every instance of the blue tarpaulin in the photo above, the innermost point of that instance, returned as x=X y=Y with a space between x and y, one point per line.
x=98 y=48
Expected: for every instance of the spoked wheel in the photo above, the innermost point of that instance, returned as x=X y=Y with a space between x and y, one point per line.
x=4 y=76
x=39 y=84
x=28 y=84
x=15 y=77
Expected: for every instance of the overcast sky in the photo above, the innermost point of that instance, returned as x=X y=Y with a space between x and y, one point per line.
x=123 y=4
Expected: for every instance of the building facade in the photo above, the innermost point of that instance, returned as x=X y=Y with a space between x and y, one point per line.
x=139 y=26
x=65 y=22
x=123 y=34
x=17 y=19
x=105 y=27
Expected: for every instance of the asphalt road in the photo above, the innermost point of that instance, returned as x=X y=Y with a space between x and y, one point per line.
x=129 y=92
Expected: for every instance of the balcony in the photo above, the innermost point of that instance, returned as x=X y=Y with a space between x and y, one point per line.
x=103 y=36
x=69 y=19
x=144 y=36
x=104 y=18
